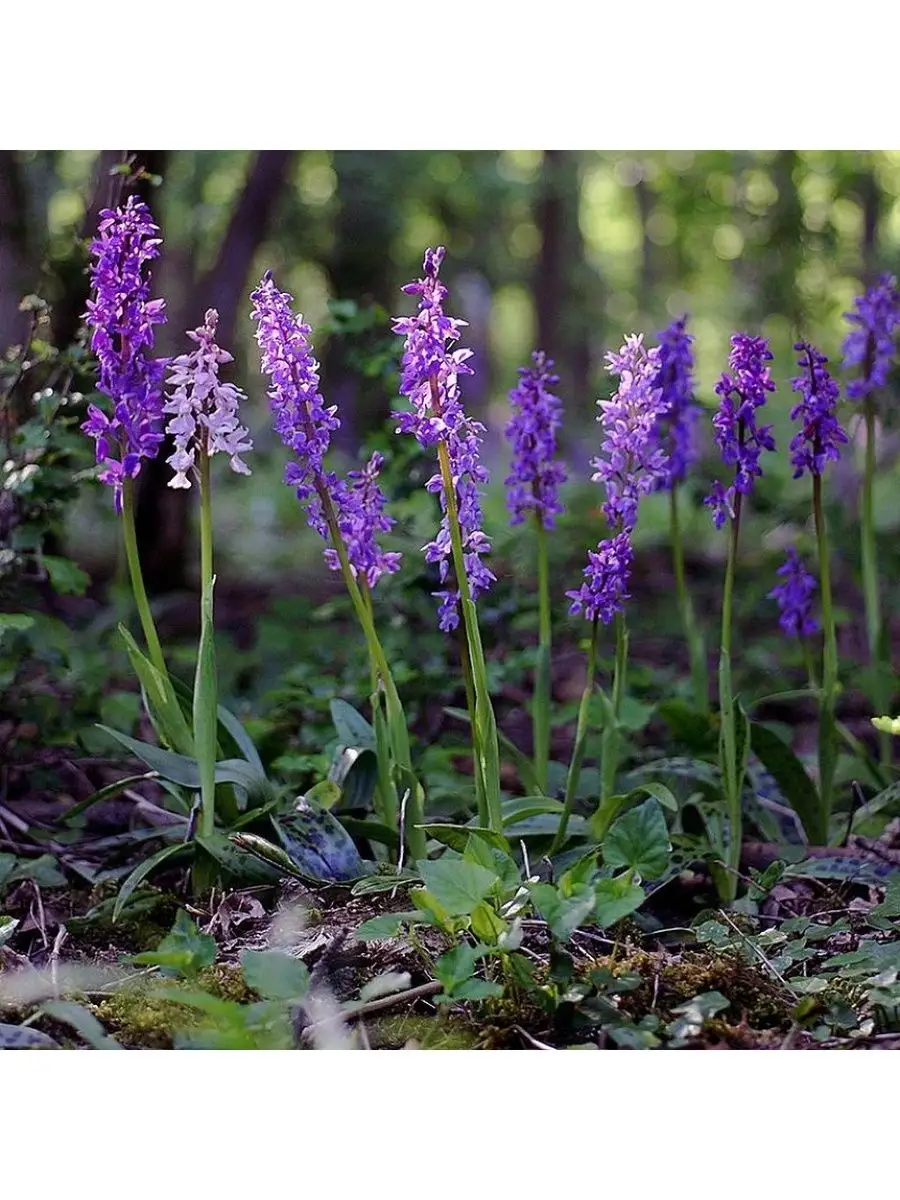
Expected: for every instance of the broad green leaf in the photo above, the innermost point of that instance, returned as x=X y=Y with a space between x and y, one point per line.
x=267 y=852
x=275 y=975
x=456 y=884
x=523 y=807
x=457 y=836
x=183 y=951
x=66 y=577
x=433 y=911
x=142 y=870
x=694 y=1013
x=639 y=840
x=790 y=775
x=319 y=844
x=486 y=924
x=351 y=727
x=180 y=769
x=562 y=914
x=458 y=965
x=616 y=898
x=82 y=1021
x=472 y=989
x=43 y=870
x=388 y=925
x=325 y=793
x=14 y=623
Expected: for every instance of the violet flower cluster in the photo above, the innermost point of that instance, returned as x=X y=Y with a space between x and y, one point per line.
x=305 y=425
x=631 y=464
x=535 y=475
x=821 y=436
x=740 y=440
x=203 y=409
x=430 y=381
x=794 y=597
x=876 y=315
x=360 y=505
x=122 y=316
x=677 y=428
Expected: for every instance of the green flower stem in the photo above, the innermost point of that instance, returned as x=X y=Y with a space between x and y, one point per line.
x=828 y=695
x=398 y=731
x=487 y=752
x=205 y=684
x=540 y=710
x=609 y=764
x=693 y=637
x=871 y=591
x=581 y=732
x=387 y=806
x=731 y=769
x=477 y=752
x=151 y=637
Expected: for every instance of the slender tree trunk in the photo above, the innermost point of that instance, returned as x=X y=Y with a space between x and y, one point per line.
x=15 y=280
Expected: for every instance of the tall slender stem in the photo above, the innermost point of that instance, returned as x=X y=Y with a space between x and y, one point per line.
x=487 y=752
x=696 y=649
x=827 y=727
x=731 y=769
x=581 y=731
x=148 y=625
x=206 y=687
x=609 y=765
x=540 y=708
x=871 y=590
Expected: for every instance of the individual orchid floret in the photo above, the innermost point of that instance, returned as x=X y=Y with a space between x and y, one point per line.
x=430 y=381
x=741 y=441
x=360 y=505
x=871 y=345
x=535 y=474
x=795 y=596
x=677 y=427
x=606 y=577
x=203 y=410
x=821 y=436
x=122 y=317
x=631 y=463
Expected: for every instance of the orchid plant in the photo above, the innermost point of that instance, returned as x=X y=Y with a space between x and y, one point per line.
x=648 y=442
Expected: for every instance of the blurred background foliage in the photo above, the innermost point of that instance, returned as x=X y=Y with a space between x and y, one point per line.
x=558 y=249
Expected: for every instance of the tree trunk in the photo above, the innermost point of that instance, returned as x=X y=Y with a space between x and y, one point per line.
x=14 y=269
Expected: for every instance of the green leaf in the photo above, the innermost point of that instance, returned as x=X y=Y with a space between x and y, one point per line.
x=371 y=831
x=241 y=739
x=458 y=965
x=14 y=623
x=523 y=807
x=790 y=775
x=106 y=793
x=694 y=1013
x=486 y=924
x=43 y=870
x=275 y=975
x=319 y=844
x=23 y=1037
x=456 y=884
x=472 y=989
x=692 y=728
x=388 y=925
x=65 y=577
x=159 y=696
x=142 y=870
x=354 y=772
x=248 y=868
x=325 y=793
x=616 y=899
x=180 y=769
x=183 y=951
x=267 y=852
x=82 y=1021
x=8 y=926
x=352 y=728
x=457 y=836
x=522 y=762
x=639 y=840
x=562 y=914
